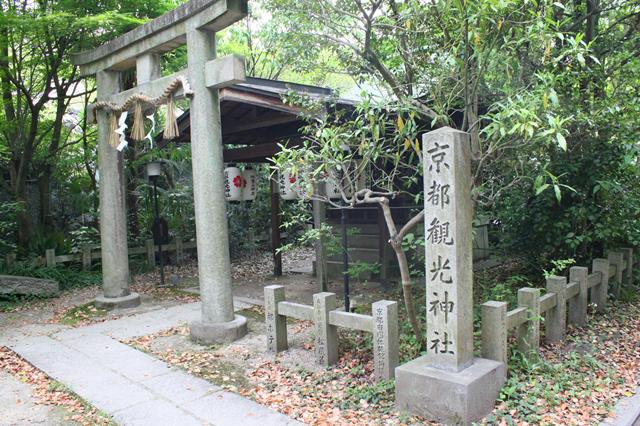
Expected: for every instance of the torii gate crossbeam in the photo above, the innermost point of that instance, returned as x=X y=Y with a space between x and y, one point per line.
x=194 y=24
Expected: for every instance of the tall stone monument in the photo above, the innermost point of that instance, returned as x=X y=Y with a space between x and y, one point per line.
x=449 y=384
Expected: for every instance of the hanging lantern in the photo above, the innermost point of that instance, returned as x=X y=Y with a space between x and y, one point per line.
x=288 y=184
x=250 y=185
x=233 y=183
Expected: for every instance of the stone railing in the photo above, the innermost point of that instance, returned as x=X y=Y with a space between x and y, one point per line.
x=563 y=302
x=383 y=324
x=89 y=253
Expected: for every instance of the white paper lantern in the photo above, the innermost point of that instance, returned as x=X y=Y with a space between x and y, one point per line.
x=233 y=184
x=250 y=185
x=288 y=184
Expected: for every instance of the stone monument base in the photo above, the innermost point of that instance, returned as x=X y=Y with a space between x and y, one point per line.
x=448 y=397
x=130 y=301
x=214 y=333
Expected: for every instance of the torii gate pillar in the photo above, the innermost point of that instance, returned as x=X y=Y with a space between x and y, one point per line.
x=195 y=23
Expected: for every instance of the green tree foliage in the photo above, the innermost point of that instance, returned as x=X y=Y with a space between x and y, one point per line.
x=548 y=91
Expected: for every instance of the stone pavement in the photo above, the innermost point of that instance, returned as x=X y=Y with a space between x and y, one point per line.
x=133 y=387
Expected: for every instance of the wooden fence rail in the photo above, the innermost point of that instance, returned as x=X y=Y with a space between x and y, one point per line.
x=565 y=302
x=88 y=253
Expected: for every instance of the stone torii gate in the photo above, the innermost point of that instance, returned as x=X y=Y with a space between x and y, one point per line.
x=194 y=24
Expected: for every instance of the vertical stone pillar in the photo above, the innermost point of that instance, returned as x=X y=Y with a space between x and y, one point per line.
x=385 y=339
x=600 y=293
x=529 y=332
x=443 y=385
x=326 y=334
x=151 y=253
x=627 y=276
x=113 y=215
x=218 y=324
x=616 y=259
x=578 y=304
x=179 y=250
x=276 y=324
x=494 y=331
x=556 y=318
x=448 y=247
x=86 y=258
x=10 y=259
x=50 y=255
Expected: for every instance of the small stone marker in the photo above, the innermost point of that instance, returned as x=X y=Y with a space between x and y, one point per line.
x=385 y=339
x=448 y=384
x=326 y=334
x=276 y=324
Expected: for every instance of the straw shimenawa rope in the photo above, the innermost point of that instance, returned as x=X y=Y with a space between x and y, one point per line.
x=144 y=99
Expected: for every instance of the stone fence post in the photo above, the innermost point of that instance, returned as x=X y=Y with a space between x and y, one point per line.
x=276 y=324
x=86 y=257
x=556 y=317
x=50 y=255
x=326 y=334
x=628 y=261
x=494 y=331
x=179 y=250
x=151 y=253
x=529 y=332
x=10 y=259
x=600 y=292
x=578 y=304
x=385 y=339
x=617 y=259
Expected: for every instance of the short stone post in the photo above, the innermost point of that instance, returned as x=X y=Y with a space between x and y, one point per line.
x=179 y=250
x=443 y=385
x=627 y=276
x=326 y=334
x=556 y=317
x=578 y=303
x=50 y=255
x=617 y=259
x=385 y=339
x=10 y=259
x=600 y=293
x=86 y=257
x=494 y=331
x=151 y=253
x=276 y=324
x=529 y=332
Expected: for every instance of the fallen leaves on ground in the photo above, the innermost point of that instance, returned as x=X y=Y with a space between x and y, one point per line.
x=49 y=392
x=578 y=381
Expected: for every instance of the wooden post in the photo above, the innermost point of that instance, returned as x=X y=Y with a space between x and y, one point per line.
x=179 y=251
x=50 y=255
x=151 y=253
x=86 y=257
x=494 y=331
x=275 y=227
x=600 y=293
x=529 y=332
x=556 y=318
